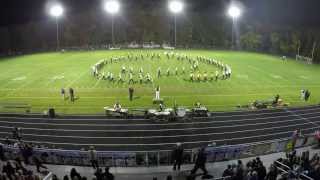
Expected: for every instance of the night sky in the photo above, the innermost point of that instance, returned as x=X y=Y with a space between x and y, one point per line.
x=286 y=12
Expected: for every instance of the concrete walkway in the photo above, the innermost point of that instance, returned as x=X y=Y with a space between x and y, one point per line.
x=147 y=173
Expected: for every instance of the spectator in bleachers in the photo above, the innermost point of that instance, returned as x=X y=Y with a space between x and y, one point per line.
x=74 y=174
x=99 y=174
x=1 y=153
x=37 y=162
x=66 y=177
x=177 y=157
x=239 y=171
x=27 y=152
x=228 y=172
x=93 y=158
x=7 y=141
x=317 y=136
x=295 y=135
x=8 y=169
x=273 y=173
x=261 y=170
x=107 y=175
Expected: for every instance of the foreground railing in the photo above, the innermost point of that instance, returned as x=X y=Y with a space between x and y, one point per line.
x=157 y=158
x=48 y=176
x=287 y=170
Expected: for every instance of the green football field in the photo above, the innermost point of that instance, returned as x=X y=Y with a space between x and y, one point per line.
x=36 y=80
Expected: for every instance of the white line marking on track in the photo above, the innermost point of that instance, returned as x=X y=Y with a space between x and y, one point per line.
x=169 y=136
x=160 y=144
x=299 y=116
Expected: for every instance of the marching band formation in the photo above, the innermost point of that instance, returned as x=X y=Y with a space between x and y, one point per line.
x=129 y=75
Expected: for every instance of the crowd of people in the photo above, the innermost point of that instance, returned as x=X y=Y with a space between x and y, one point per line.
x=130 y=75
x=253 y=170
x=302 y=164
x=99 y=174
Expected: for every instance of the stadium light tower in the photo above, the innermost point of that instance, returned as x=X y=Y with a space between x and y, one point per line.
x=176 y=7
x=234 y=12
x=112 y=7
x=56 y=11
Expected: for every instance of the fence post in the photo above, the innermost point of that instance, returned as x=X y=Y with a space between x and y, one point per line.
x=147 y=159
x=158 y=158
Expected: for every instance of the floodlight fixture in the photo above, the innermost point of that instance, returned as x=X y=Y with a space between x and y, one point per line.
x=56 y=10
x=112 y=6
x=234 y=12
x=175 y=6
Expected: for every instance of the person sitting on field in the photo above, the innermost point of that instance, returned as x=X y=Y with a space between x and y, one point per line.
x=117 y=107
x=197 y=105
x=276 y=100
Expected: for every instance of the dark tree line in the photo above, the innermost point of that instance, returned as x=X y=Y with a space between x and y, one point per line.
x=194 y=29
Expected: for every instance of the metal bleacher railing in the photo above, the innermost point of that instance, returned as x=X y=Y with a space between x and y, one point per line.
x=286 y=170
x=157 y=158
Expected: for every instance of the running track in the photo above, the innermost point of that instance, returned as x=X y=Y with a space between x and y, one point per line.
x=75 y=132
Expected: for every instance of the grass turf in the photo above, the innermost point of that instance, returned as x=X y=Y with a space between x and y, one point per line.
x=37 y=80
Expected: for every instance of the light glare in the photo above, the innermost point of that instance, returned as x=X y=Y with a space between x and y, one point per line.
x=176 y=6
x=234 y=12
x=56 y=11
x=112 y=6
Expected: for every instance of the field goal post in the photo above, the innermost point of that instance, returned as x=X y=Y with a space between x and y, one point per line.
x=307 y=59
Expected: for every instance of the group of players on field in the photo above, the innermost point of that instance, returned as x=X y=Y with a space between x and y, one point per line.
x=126 y=74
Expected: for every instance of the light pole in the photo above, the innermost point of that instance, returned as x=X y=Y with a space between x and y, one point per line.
x=175 y=6
x=56 y=11
x=234 y=12
x=112 y=7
